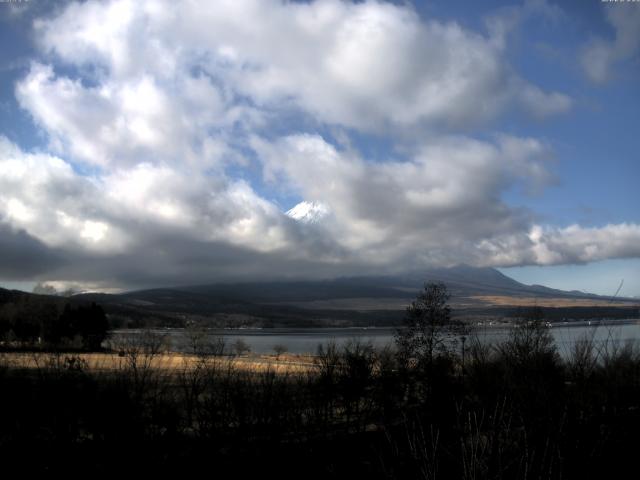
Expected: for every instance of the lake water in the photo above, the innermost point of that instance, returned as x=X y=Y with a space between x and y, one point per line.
x=306 y=340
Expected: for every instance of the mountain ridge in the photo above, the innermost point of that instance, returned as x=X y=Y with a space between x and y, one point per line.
x=347 y=301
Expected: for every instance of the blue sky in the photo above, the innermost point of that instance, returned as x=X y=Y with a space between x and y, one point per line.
x=160 y=143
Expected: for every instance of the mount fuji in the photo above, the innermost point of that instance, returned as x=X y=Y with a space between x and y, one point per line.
x=309 y=212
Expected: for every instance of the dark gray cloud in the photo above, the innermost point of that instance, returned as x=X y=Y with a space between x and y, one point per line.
x=166 y=260
x=23 y=257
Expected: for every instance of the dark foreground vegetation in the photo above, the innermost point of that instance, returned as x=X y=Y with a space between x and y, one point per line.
x=44 y=322
x=429 y=408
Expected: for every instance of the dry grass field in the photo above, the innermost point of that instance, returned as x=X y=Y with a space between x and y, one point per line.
x=547 y=302
x=164 y=363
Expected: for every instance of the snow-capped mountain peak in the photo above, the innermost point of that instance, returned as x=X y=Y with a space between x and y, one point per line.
x=309 y=212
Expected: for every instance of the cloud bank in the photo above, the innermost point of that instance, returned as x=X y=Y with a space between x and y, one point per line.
x=173 y=129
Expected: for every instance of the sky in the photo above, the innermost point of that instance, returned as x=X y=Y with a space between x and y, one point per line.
x=158 y=143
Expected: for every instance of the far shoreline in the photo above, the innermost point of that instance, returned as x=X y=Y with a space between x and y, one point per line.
x=323 y=330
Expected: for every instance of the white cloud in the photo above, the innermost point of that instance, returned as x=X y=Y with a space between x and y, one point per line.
x=545 y=245
x=506 y=20
x=367 y=65
x=600 y=56
x=576 y=244
x=42 y=195
x=109 y=214
x=165 y=103
x=443 y=206
x=155 y=224
x=127 y=122
x=540 y=104
x=451 y=188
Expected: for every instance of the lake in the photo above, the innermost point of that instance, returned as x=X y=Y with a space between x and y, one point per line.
x=306 y=340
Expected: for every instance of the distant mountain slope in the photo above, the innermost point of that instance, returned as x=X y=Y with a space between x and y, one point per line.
x=353 y=301
x=462 y=281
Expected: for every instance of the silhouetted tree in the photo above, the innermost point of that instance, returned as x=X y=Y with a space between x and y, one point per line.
x=428 y=329
x=94 y=328
x=87 y=322
x=530 y=340
x=241 y=347
x=279 y=349
x=196 y=337
x=534 y=374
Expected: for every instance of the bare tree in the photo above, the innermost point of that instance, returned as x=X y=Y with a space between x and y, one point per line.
x=139 y=350
x=201 y=342
x=428 y=328
x=530 y=340
x=241 y=347
x=280 y=349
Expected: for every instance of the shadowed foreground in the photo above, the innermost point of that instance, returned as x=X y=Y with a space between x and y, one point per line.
x=510 y=411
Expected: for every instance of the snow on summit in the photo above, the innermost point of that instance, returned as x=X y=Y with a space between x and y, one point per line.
x=309 y=212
